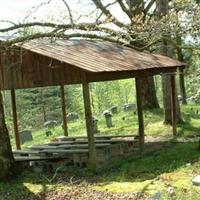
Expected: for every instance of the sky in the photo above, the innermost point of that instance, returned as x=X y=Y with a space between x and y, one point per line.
x=17 y=10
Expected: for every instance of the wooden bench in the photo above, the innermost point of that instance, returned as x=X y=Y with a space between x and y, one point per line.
x=82 y=146
x=74 y=138
x=24 y=152
x=35 y=158
x=41 y=147
x=118 y=147
x=54 y=143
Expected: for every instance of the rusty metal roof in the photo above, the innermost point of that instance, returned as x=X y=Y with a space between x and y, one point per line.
x=99 y=56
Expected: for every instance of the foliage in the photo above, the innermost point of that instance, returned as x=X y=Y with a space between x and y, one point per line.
x=194 y=77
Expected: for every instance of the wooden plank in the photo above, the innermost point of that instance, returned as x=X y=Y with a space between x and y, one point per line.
x=140 y=113
x=63 y=138
x=41 y=147
x=82 y=146
x=25 y=152
x=70 y=151
x=88 y=116
x=59 y=143
x=37 y=158
x=173 y=104
x=105 y=141
x=15 y=121
x=64 y=114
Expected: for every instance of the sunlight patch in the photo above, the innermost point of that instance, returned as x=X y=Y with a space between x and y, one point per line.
x=36 y=188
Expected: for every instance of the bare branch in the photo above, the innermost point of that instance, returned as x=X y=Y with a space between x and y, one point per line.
x=123 y=7
x=149 y=6
x=107 y=13
x=70 y=13
x=35 y=9
x=108 y=5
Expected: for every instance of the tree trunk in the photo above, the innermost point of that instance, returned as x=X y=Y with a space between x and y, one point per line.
x=162 y=10
x=149 y=98
x=6 y=156
x=181 y=76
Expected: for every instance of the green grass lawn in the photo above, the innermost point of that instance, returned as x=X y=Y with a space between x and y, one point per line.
x=142 y=175
x=153 y=125
x=145 y=176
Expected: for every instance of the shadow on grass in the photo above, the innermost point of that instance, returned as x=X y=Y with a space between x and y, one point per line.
x=187 y=127
x=25 y=186
x=148 y=166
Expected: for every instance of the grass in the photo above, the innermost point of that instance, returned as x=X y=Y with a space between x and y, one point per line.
x=173 y=166
x=149 y=175
x=153 y=125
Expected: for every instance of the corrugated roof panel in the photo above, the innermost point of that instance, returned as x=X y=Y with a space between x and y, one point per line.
x=98 y=56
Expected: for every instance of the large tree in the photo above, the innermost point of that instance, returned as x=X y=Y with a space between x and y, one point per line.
x=163 y=11
x=6 y=157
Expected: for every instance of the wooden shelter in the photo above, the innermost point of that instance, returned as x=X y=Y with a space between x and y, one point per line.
x=45 y=62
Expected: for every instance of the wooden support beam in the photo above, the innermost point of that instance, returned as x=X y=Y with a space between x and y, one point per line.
x=173 y=104
x=64 y=113
x=140 y=113
x=15 y=121
x=90 y=133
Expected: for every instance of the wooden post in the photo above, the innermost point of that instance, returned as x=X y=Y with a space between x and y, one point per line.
x=64 y=114
x=173 y=104
x=15 y=121
x=90 y=134
x=140 y=113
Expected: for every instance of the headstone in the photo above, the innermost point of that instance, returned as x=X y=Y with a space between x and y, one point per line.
x=95 y=124
x=50 y=124
x=25 y=136
x=129 y=107
x=157 y=196
x=114 y=110
x=196 y=180
x=72 y=116
x=108 y=116
x=170 y=191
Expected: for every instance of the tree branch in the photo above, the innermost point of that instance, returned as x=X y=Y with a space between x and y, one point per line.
x=123 y=7
x=108 y=14
x=148 y=7
x=70 y=14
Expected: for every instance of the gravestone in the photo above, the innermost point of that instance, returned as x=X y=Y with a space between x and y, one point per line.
x=129 y=107
x=95 y=125
x=196 y=180
x=114 y=110
x=50 y=124
x=25 y=136
x=72 y=116
x=108 y=116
